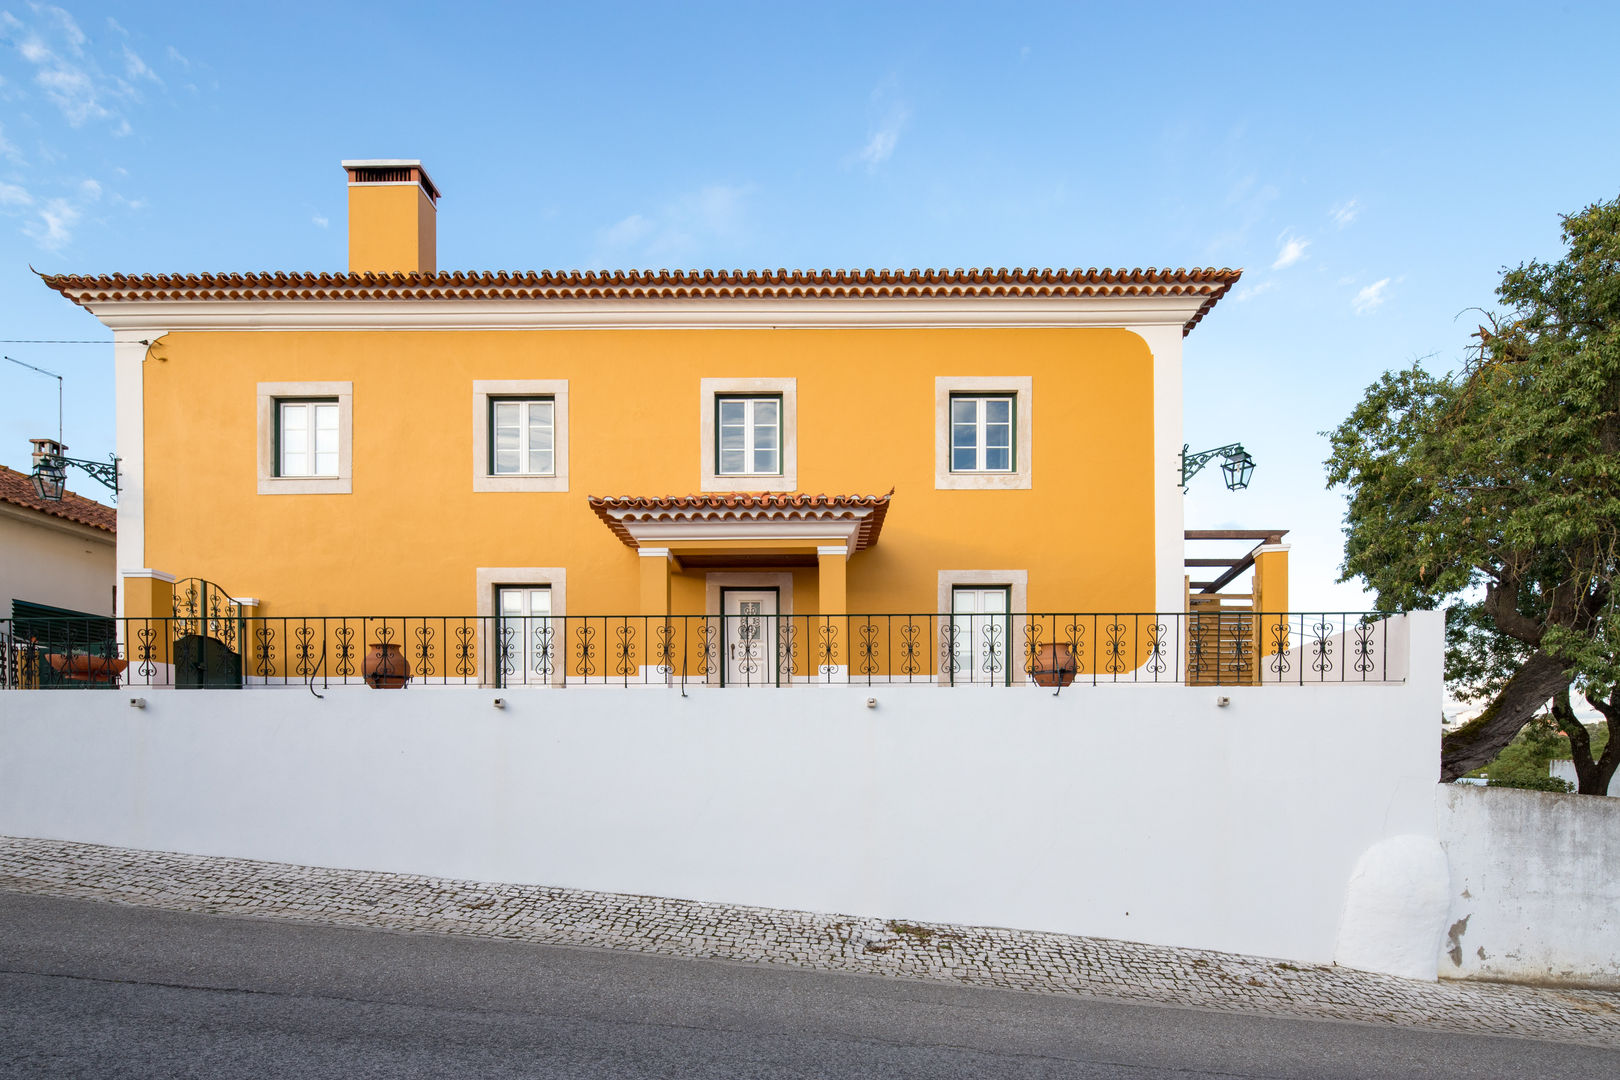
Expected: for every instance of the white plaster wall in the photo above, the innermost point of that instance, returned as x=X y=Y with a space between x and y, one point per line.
x=1534 y=893
x=63 y=565
x=1136 y=812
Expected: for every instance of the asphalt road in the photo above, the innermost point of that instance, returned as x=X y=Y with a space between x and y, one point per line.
x=100 y=990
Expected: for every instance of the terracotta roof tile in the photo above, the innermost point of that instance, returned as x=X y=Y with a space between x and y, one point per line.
x=1209 y=283
x=18 y=489
x=743 y=506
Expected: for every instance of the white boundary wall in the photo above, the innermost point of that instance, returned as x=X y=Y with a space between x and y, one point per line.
x=1534 y=892
x=1137 y=812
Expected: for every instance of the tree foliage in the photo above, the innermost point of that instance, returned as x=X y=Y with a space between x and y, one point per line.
x=1496 y=490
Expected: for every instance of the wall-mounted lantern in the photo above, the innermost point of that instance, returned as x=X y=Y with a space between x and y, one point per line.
x=50 y=470
x=1237 y=465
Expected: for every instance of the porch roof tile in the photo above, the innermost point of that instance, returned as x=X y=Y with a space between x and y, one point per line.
x=619 y=511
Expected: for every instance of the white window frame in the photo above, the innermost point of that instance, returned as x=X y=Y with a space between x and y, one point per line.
x=486 y=580
x=526 y=407
x=484 y=479
x=709 y=390
x=981 y=424
x=311 y=409
x=270 y=395
x=751 y=428
x=1018 y=387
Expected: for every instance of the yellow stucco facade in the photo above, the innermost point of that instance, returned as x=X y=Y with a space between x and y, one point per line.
x=410 y=534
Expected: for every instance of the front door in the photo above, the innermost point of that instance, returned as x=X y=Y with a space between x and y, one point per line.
x=748 y=637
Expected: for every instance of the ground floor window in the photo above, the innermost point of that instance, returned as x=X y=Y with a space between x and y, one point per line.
x=979 y=630
x=525 y=637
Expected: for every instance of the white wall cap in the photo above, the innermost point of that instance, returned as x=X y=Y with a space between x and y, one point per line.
x=147 y=573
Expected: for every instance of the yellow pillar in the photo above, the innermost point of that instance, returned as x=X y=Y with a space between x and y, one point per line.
x=657 y=643
x=833 y=563
x=1271 y=596
x=147 y=631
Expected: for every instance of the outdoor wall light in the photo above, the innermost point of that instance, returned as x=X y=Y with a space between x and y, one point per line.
x=871 y=703
x=1237 y=465
x=499 y=703
x=50 y=470
x=1222 y=702
x=137 y=703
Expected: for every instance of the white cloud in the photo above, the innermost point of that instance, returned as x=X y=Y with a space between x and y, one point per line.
x=1250 y=292
x=888 y=118
x=880 y=147
x=321 y=221
x=136 y=68
x=683 y=233
x=64 y=22
x=54 y=227
x=12 y=195
x=1371 y=297
x=1344 y=213
x=177 y=57
x=90 y=190
x=1293 y=250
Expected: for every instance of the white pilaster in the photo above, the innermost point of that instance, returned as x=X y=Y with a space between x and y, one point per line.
x=1169 y=520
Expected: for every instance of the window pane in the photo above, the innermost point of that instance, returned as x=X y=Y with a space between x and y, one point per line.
x=511 y=601
x=765 y=437
x=540 y=462
x=731 y=438
x=765 y=411
x=294 y=439
x=964 y=410
x=964 y=601
x=998 y=410
x=733 y=411
x=733 y=461
x=997 y=459
x=963 y=459
x=539 y=601
x=765 y=461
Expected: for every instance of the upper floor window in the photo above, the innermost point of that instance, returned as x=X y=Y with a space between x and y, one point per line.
x=307 y=433
x=748 y=434
x=982 y=432
x=750 y=430
x=520 y=435
x=306 y=438
x=525 y=434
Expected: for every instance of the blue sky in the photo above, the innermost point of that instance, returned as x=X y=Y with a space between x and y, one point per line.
x=1371 y=167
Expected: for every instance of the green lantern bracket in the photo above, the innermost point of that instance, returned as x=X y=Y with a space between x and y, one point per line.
x=1237 y=466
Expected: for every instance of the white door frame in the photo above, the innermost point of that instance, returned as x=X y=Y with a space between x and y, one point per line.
x=781 y=581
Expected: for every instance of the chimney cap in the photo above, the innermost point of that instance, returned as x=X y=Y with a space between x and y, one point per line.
x=356 y=166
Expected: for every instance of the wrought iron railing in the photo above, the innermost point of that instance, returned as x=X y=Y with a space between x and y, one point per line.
x=1214 y=648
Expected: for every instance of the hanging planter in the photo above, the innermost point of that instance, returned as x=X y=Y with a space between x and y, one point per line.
x=385 y=667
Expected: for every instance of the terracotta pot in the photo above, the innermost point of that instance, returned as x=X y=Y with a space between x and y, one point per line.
x=82 y=667
x=1054 y=665
x=385 y=666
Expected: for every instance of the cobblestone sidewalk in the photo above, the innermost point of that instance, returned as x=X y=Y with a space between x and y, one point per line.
x=970 y=955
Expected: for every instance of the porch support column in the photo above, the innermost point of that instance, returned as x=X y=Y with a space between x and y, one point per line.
x=830 y=641
x=833 y=563
x=655 y=567
x=656 y=644
x=1271 y=596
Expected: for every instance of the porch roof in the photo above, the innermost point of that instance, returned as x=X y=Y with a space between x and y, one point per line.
x=738 y=522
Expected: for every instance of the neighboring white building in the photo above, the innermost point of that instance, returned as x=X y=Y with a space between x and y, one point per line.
x=1565 y=770
x=55 y=554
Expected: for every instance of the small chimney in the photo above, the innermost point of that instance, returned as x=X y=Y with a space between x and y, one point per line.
x=393 y=207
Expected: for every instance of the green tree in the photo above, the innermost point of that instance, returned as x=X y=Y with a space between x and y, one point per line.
x=1496 y=490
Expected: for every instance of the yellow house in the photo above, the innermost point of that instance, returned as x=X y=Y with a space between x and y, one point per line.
x=599 y=459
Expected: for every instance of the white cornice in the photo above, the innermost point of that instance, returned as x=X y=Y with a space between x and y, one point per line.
x=429 y=315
